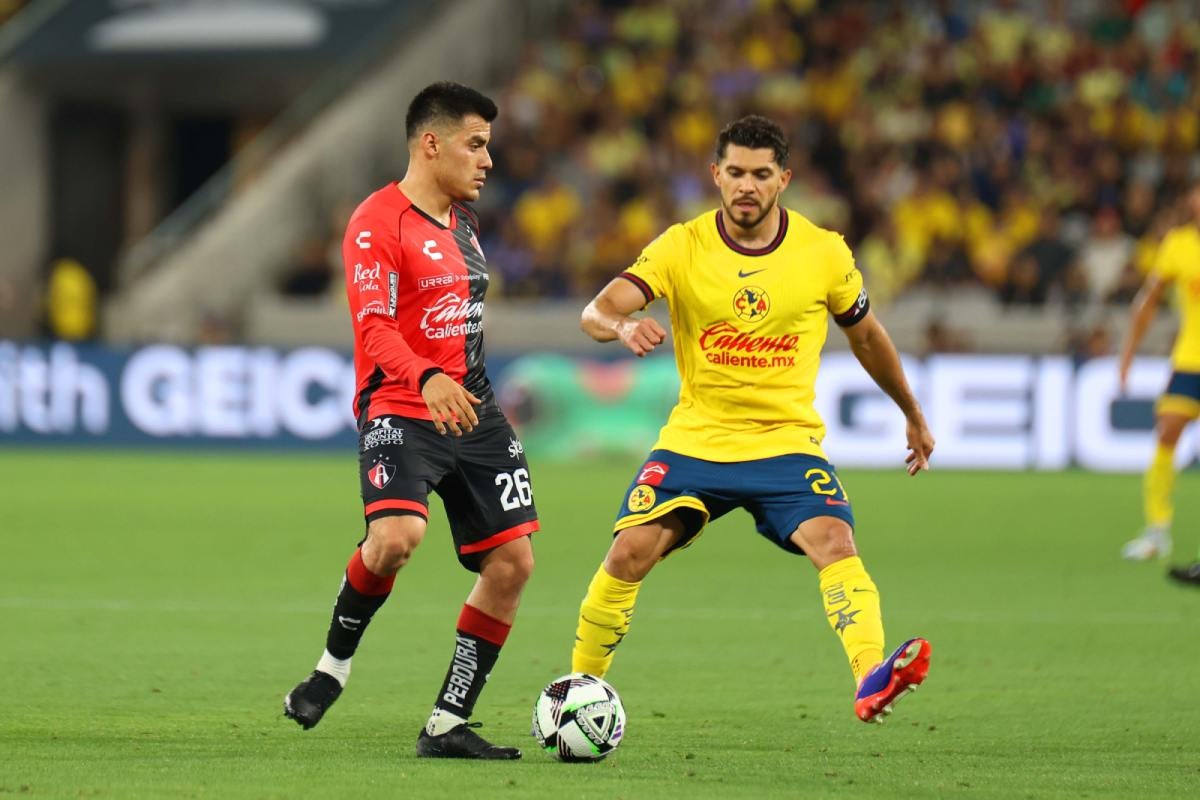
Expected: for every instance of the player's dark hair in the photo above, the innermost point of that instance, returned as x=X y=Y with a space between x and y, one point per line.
x=446 y=100
x=754 y=132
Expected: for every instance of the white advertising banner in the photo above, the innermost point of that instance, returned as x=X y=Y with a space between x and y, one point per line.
x=988 y=412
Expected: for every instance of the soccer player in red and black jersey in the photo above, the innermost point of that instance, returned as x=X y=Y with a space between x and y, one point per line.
x=427 y=416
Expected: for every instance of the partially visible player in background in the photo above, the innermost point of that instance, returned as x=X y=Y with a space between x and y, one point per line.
x=1177 y=263
x=427 y=416
x=751 y=287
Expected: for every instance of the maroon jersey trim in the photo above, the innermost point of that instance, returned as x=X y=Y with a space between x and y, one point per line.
x=639 y=283
x=753 y=251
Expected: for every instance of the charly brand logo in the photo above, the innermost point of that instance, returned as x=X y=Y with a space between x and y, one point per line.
x=393 y=293
x=431 y=250
x=452 y=315
x=515 y=448
x=381 y=432
x=363 y=240
x=751 y=304
x=653 y=473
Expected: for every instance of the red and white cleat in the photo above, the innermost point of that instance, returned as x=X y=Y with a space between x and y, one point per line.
x=897 y=675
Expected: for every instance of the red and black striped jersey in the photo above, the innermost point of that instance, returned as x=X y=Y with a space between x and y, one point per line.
x=416 y=291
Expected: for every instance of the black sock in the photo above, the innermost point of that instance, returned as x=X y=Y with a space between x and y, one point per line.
x=478 y=640
x=361 y=595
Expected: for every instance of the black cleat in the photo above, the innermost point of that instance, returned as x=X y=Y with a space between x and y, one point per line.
x=309 y=701
x=462 y=742
x=1189 y=574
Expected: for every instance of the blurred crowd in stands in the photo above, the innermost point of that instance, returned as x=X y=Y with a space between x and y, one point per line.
x=1035 y=149
x=9 y=9
x=1036 y=153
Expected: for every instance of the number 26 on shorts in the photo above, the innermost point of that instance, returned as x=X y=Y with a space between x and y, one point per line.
x=515 y=490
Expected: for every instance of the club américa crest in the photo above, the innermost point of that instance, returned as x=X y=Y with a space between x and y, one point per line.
x=641 y=498
x=751 y=304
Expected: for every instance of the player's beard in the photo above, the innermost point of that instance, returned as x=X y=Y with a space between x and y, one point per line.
x=732 y=213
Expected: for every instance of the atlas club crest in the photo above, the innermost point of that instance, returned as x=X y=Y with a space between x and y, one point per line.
x=381 y=473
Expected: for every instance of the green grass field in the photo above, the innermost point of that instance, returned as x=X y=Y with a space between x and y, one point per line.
x=156 y=608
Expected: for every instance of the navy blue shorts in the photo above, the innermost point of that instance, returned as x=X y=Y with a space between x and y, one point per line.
x=1182 y=395
x=779 y=492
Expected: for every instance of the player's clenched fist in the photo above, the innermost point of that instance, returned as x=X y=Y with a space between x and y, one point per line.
x=450 y=405
x=641 y=335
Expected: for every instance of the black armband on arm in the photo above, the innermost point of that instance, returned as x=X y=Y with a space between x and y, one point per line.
x=855 y=313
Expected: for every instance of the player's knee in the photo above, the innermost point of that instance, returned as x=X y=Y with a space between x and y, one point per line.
x=517 y=569
x=631 y=557
x=839 y=548
x=1169 y=431
x=511 y=570
x=392 y=541
x=826 y=541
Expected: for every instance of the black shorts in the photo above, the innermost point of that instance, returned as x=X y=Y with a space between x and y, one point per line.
x=482 y=478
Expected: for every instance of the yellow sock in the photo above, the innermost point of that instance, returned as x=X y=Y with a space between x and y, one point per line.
x=603 y=622
x=852 y=606
x=1158 y=486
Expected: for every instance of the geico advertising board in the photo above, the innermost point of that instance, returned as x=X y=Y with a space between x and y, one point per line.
x=988 y=412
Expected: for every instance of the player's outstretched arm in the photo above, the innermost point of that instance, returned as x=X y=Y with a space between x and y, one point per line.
x=607 y=318
x=1145 y=306
x=874 y=350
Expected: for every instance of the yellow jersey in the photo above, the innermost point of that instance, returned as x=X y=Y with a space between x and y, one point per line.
x=748 y=326
x=1178 y=260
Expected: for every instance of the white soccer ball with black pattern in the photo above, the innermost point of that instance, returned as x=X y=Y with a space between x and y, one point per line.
x=578 y=717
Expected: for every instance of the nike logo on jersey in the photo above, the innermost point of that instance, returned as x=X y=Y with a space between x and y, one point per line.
x=829 y=501
x=742 y=274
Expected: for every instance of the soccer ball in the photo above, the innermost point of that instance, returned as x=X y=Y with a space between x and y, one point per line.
x=578 y=717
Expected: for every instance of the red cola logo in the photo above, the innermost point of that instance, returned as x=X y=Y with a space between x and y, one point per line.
x=362 y=273
x=723 y=336
x=450 y=308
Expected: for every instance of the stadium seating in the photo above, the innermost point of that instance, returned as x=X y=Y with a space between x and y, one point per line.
x=1018 y=164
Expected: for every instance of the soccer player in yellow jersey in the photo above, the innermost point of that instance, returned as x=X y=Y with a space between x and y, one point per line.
x=750 y=288
x=1178 y=263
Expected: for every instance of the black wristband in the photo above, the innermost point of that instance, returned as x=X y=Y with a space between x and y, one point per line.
x=426 y=375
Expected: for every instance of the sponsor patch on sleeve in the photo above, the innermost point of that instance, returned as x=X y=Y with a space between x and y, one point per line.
x=393 y=292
